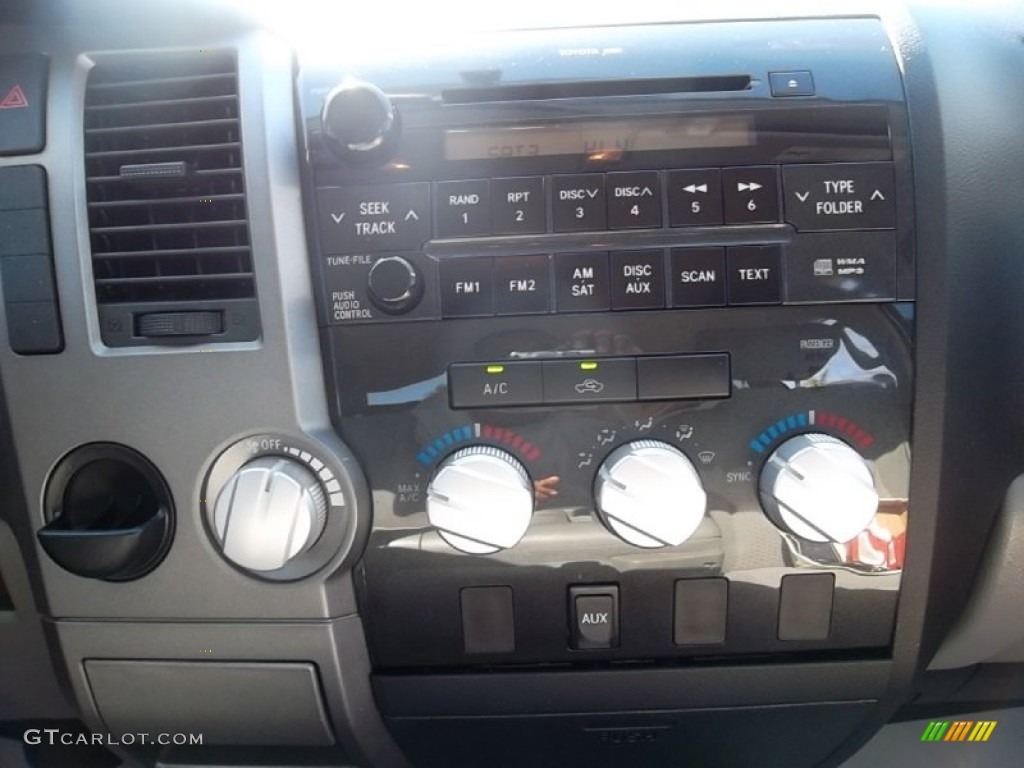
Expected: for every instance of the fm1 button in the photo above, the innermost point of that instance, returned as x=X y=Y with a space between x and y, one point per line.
x=467 y=287
x=494 y=385
x=463 y=208
x=751 y=195
x=754 y=274
x=581 y=282
x=595 y=617
x=577 y=202
x=638 y=280
x=634 y=200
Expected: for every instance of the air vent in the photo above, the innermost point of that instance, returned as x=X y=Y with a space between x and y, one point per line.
x=166 y=194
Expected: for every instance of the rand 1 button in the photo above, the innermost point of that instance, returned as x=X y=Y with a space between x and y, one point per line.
x=750 y=195
x=754 y=274
x=522 y=285
x=822 y=198
x=383 y=217
x=494 y=385
x=695 y=197
x=517 y=206
x=698 y=277
x=578 y=202
x=634 y=199
x=463 y=208
x=638 y=280
x=576 y=382
x=581 y=282
x=467 y=287
x=841 y=267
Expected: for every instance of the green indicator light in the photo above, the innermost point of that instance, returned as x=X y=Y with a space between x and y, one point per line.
x=588 y=366
x=495 y=368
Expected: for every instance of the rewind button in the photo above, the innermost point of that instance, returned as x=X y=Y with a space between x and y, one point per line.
x=695 y=197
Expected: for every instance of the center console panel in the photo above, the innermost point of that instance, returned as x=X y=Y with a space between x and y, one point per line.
x=622 y=335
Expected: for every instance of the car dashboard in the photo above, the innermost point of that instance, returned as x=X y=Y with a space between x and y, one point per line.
x=640 y=389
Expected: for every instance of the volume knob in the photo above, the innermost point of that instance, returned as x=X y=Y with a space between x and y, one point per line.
x=818 y=488
x=358 y=119
x=480 y=500
x=649 y=494
x=271 y=510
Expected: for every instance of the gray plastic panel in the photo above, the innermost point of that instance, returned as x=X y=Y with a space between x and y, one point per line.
x=991 y=628
x=180 y=407
x=227 y=703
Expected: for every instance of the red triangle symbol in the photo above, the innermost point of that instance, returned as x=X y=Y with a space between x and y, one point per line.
x=15 y=99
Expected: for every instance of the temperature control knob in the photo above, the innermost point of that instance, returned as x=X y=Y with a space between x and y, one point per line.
x=271 y=510
x=818 y=488
x=357 y=119
x=649 y=494
x=480 y=500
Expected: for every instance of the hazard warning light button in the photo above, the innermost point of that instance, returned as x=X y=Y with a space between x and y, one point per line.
x=23 y=104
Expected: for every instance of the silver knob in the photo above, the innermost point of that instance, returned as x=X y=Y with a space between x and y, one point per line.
x=649 y=494
x=480 y=500
x=357 y=117
x=818 y=488
x=271 y=510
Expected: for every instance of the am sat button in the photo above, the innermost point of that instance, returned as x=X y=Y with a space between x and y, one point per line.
x=494 y=385
x=577 y=382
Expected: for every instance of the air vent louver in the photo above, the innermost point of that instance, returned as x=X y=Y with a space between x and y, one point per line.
x=166 y=195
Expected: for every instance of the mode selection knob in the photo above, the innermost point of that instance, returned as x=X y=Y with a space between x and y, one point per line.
x=649 y=494
x=480 y=500
x=394 y=285
x=818 y=488
x=272 y=509
x=358 y=119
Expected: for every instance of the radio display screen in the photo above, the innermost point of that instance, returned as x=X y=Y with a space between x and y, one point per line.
x=601 y=139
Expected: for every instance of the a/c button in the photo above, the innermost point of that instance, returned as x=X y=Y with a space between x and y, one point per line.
x=494 y=385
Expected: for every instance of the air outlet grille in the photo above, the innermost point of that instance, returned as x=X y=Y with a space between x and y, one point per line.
x=166 y=194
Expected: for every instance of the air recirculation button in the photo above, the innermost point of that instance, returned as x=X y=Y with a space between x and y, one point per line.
x=109 y=512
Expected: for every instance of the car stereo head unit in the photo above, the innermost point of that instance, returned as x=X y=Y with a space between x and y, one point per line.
x=620 y=328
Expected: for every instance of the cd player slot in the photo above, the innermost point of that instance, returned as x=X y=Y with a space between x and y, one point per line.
x=591 y=88
x=602 y=241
